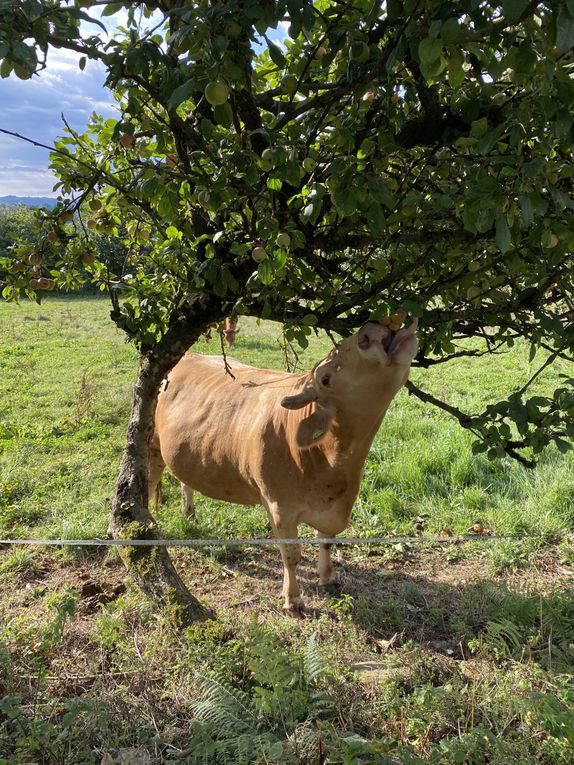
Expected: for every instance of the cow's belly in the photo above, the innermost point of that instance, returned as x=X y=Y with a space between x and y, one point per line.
x=221 y=479
x=212 y=485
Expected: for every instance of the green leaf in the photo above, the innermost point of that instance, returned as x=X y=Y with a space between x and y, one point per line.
x=276 y=56
x=77 y=13
x=266 y=271
x=563 y=446
x=503 y=236
x=207 y=128
x=512 y=9
x=181 y=94
x=223 y=115
x=564 y=32
x=173 y=233
x=167 y=203
x=432 y=70
x=345 y=201
x=450 y=30
x=112 y=8
x=429 y=50
x=527 y=209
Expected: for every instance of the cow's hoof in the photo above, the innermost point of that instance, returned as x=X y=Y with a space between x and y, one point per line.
x=295 y=608
x=332 y=588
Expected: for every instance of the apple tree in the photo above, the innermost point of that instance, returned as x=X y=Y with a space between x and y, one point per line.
x=319 y=163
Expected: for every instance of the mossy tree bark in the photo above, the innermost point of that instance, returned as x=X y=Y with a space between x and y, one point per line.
x=152 y=567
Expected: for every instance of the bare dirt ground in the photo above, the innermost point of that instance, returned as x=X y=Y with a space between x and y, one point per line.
x=250 y=580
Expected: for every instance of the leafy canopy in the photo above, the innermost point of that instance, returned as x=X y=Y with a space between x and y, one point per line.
x=377 y=156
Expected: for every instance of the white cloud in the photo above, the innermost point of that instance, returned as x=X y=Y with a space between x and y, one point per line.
x=34 y=107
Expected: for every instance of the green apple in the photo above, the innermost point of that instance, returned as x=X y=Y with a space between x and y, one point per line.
x=309 y=164
x=289 y=83
x=283 y=240
x=359 y=52
x=203 y=198
x=216 y=92
x=265 y=165
x=46 y=284
x=35 y=259
x=233 y=30
x=258 y=254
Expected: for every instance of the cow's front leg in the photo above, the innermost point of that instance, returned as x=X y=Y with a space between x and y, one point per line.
x=291 y=555
x=327 y=577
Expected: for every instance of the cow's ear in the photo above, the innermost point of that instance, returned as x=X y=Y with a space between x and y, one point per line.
x=313 y=429
x=307 y=396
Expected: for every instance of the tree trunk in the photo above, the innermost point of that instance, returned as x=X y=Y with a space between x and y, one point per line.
x=152 y=567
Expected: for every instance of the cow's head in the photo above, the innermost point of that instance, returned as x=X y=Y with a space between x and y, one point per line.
x=362 y=373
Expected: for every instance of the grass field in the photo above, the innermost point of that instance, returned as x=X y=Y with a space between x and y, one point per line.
x=431 y=654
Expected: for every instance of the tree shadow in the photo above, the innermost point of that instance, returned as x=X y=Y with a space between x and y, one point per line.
x=505 y=618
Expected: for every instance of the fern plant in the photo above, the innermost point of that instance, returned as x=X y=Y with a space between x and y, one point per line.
x=274 y=718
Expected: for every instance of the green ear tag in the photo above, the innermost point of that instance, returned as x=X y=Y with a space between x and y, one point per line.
x=317 y=434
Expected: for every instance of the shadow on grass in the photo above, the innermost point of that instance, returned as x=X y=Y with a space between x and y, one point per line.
x=452 y=617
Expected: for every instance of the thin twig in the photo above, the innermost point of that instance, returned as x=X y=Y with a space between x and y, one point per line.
x=224 y=354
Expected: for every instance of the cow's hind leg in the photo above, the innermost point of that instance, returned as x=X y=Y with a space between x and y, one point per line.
x=291 y=555
x=156 y=468
x=327 y=577
x=187 y=503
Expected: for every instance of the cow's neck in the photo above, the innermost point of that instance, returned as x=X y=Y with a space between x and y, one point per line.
x=355 y=429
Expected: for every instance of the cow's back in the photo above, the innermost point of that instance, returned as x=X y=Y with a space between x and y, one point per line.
x=215 y=431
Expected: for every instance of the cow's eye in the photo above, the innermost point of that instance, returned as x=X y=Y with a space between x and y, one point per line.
x=326 y=380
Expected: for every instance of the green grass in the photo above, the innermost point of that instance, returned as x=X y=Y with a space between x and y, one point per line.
x=65 y=396
x=472 y=645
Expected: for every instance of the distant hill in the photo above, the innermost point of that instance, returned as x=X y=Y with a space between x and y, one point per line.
x=48 y=202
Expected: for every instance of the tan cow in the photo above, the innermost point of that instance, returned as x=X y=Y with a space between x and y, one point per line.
x=294 y=443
